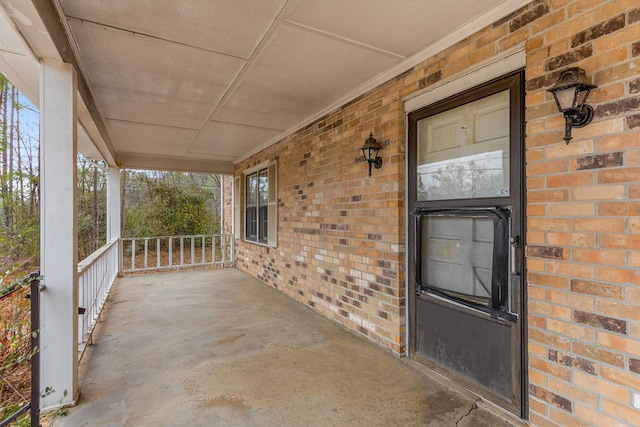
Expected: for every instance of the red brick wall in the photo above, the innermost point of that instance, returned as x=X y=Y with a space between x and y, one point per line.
x=583 y=205
x=341 y=234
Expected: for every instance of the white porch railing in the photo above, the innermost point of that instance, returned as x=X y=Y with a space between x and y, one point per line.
x=96 y=274
x=166 y=252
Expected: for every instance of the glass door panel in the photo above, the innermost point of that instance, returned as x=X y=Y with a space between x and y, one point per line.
x=463 y=153
x=458 y=256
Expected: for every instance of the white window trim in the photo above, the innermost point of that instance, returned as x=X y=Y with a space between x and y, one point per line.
x=256 y=168
x=237 y=212
x=271 y=240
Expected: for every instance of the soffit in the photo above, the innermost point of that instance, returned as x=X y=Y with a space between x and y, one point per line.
x=296 y=73
x=16 y=60
x=216 y=80
x=141 y=79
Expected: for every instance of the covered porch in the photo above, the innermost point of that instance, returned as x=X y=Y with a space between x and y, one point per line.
x=218 y=347
x=279 y=96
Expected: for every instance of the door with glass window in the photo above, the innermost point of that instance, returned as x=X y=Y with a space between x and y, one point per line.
x=466 y=194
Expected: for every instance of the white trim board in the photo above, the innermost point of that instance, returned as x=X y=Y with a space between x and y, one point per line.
x=252 y=169
x=501 y=66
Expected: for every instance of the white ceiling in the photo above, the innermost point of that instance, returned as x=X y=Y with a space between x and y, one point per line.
x=217 y=79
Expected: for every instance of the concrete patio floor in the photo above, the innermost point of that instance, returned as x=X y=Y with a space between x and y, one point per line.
x=219 y=348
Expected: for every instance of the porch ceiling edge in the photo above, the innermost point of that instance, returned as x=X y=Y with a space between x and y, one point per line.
x=143 y=161
x=58 y=34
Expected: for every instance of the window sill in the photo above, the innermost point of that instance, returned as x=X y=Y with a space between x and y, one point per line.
x=253 y=242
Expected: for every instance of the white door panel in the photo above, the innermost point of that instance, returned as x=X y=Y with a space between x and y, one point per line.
x=458 y=254
x=464 y=152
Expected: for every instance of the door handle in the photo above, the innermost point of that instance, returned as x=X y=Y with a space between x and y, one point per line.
x=515 y=242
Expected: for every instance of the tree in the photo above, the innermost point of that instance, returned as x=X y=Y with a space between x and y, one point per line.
x=19 y=216
x=154 y=203
x=92 y=206
x=170 y=204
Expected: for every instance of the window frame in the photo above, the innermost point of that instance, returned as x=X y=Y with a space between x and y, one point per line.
x=265 y=209
x=499 y=304
x=251 y=207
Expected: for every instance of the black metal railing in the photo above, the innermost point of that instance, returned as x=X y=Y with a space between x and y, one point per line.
x=34 y=404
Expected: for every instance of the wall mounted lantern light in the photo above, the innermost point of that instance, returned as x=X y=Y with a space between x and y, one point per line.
x=571 y=92
x=370 y=151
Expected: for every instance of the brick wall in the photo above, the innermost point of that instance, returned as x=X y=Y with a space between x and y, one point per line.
x=583 y=207
x=341 y=234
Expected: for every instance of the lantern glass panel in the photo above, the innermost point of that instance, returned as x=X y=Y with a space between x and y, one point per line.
x=582 y=96
x=370 y=153
x=565 y=98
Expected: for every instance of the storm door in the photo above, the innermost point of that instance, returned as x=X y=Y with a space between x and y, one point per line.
x=466 y=237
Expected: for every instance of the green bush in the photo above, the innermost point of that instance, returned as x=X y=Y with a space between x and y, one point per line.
x=171 y=208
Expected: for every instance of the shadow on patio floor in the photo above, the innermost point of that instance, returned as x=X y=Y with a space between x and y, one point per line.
x=219 y=348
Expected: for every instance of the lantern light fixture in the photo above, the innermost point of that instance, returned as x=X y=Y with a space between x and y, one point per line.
x=370 y=151
x=570 y=93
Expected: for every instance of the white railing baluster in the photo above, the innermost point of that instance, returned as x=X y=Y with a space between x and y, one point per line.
x=220 y=245
x=181 y=251
x=170 y=251
x=146 y=253
x=81 y=303
x=96 y=274
x=133 y=254
x=223 y=249
x=203 y=252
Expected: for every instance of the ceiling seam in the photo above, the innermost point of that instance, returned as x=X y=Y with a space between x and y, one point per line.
x=151 y=36
x=149 y=124
x=9 y=51
x=344 y=40
x=245 y=68
x=67 y=25
x=111 y=119
x=246 y=125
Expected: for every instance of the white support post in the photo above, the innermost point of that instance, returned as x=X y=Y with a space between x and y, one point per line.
x=113 y=210
x=58 y=231
x=221 y=219
x=113 y=204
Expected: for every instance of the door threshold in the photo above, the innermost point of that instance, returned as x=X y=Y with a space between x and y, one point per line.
x=458 y=388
